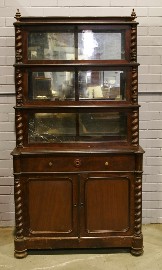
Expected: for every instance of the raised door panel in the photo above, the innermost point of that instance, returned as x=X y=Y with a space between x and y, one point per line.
x=106 y=205
x=51 y=205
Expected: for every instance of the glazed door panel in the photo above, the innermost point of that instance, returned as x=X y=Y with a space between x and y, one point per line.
x=52 y=205
x=105 y=204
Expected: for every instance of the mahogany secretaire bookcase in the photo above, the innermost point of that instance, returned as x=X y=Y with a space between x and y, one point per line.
x=77 y=161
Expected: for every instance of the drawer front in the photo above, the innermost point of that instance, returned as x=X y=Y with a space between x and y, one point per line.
x=78 y=163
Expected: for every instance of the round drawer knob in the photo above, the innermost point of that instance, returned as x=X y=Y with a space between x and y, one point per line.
x=77 y=162
x=50 y=163
x=106 y=163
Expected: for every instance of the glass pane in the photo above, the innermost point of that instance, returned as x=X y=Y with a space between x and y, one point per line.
x=51 y=46
x=51 y=85
x=103 y=124
x=66 y=127
x=109 y=85
x=52 y=127
x=100 y=45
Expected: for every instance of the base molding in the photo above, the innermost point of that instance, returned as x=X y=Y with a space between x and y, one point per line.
x=135 y=245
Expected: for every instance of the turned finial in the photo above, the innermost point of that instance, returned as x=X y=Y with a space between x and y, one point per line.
x=18 y=15
x=133 y=14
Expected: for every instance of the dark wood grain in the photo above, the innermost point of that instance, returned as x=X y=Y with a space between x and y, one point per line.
x=86 y=193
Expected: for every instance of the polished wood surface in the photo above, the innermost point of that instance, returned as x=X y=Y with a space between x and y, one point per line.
x=107 y=204
x=86 y=193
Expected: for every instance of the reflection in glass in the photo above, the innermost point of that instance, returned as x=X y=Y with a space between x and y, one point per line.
x=51 y=85
x=100 y=45
x=52 y=127
x=109 y=85
x=51 y=46
x=66 y=127
x=91 y=45
x=103 y=124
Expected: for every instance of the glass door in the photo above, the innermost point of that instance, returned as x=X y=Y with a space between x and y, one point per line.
x=57 y=45
x=77 y=126
x=69 y=43
x=76 y=84
x=94 y=44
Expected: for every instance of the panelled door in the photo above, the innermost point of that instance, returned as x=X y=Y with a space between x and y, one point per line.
x=106 y=204
x=84 y=205
x=51 y=205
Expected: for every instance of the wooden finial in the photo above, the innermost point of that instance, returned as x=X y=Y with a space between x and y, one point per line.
x=133 y=14
x=18 y=15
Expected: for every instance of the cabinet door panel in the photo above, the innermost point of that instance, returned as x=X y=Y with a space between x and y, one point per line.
x=57 y=45
x=82 y=43
x=81 y=84
x=102 y=45
x=51 y=205
x=49 y=127
x=106 y=204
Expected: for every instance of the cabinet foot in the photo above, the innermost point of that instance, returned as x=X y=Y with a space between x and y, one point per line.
x=20 y=254
x=136 y=251
x=20 y=248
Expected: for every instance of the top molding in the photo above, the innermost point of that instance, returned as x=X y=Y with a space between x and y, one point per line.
x=77 y=20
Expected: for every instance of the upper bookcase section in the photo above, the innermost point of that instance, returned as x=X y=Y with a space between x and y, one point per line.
x=76 y=40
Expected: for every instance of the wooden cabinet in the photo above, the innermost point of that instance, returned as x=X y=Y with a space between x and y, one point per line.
x=77 y=161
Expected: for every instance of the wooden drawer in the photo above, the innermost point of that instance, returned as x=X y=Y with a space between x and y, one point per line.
x=78 y=163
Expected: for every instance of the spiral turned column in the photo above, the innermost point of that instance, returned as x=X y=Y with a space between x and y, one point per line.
x=137 y=245
x=19 y=87
x=20 y=250
x=19 y=128
x=134 y=92
x=18 y=209
x=18 y=39
x=133 y=52
x=18 y=44
x=135 y=128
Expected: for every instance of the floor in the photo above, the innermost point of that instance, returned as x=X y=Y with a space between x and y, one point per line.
x=87 y=259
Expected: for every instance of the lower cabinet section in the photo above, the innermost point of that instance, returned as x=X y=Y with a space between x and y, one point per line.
x=78 y=210
x=78 y=205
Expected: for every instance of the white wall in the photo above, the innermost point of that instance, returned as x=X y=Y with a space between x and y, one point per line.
x=150 y=88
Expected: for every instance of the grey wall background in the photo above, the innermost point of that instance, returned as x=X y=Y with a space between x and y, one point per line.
x=150 y=88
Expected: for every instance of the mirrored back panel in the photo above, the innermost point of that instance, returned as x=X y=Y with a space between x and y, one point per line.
x=104 y=84
x=105 y=45
x=91 y=84
x=66 y=127
x=86 y=43
x=59 y=85
x=51 y=46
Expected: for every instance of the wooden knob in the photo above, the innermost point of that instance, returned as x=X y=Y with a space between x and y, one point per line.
x=50 y=163
x=106 y=163
x=77 y=162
